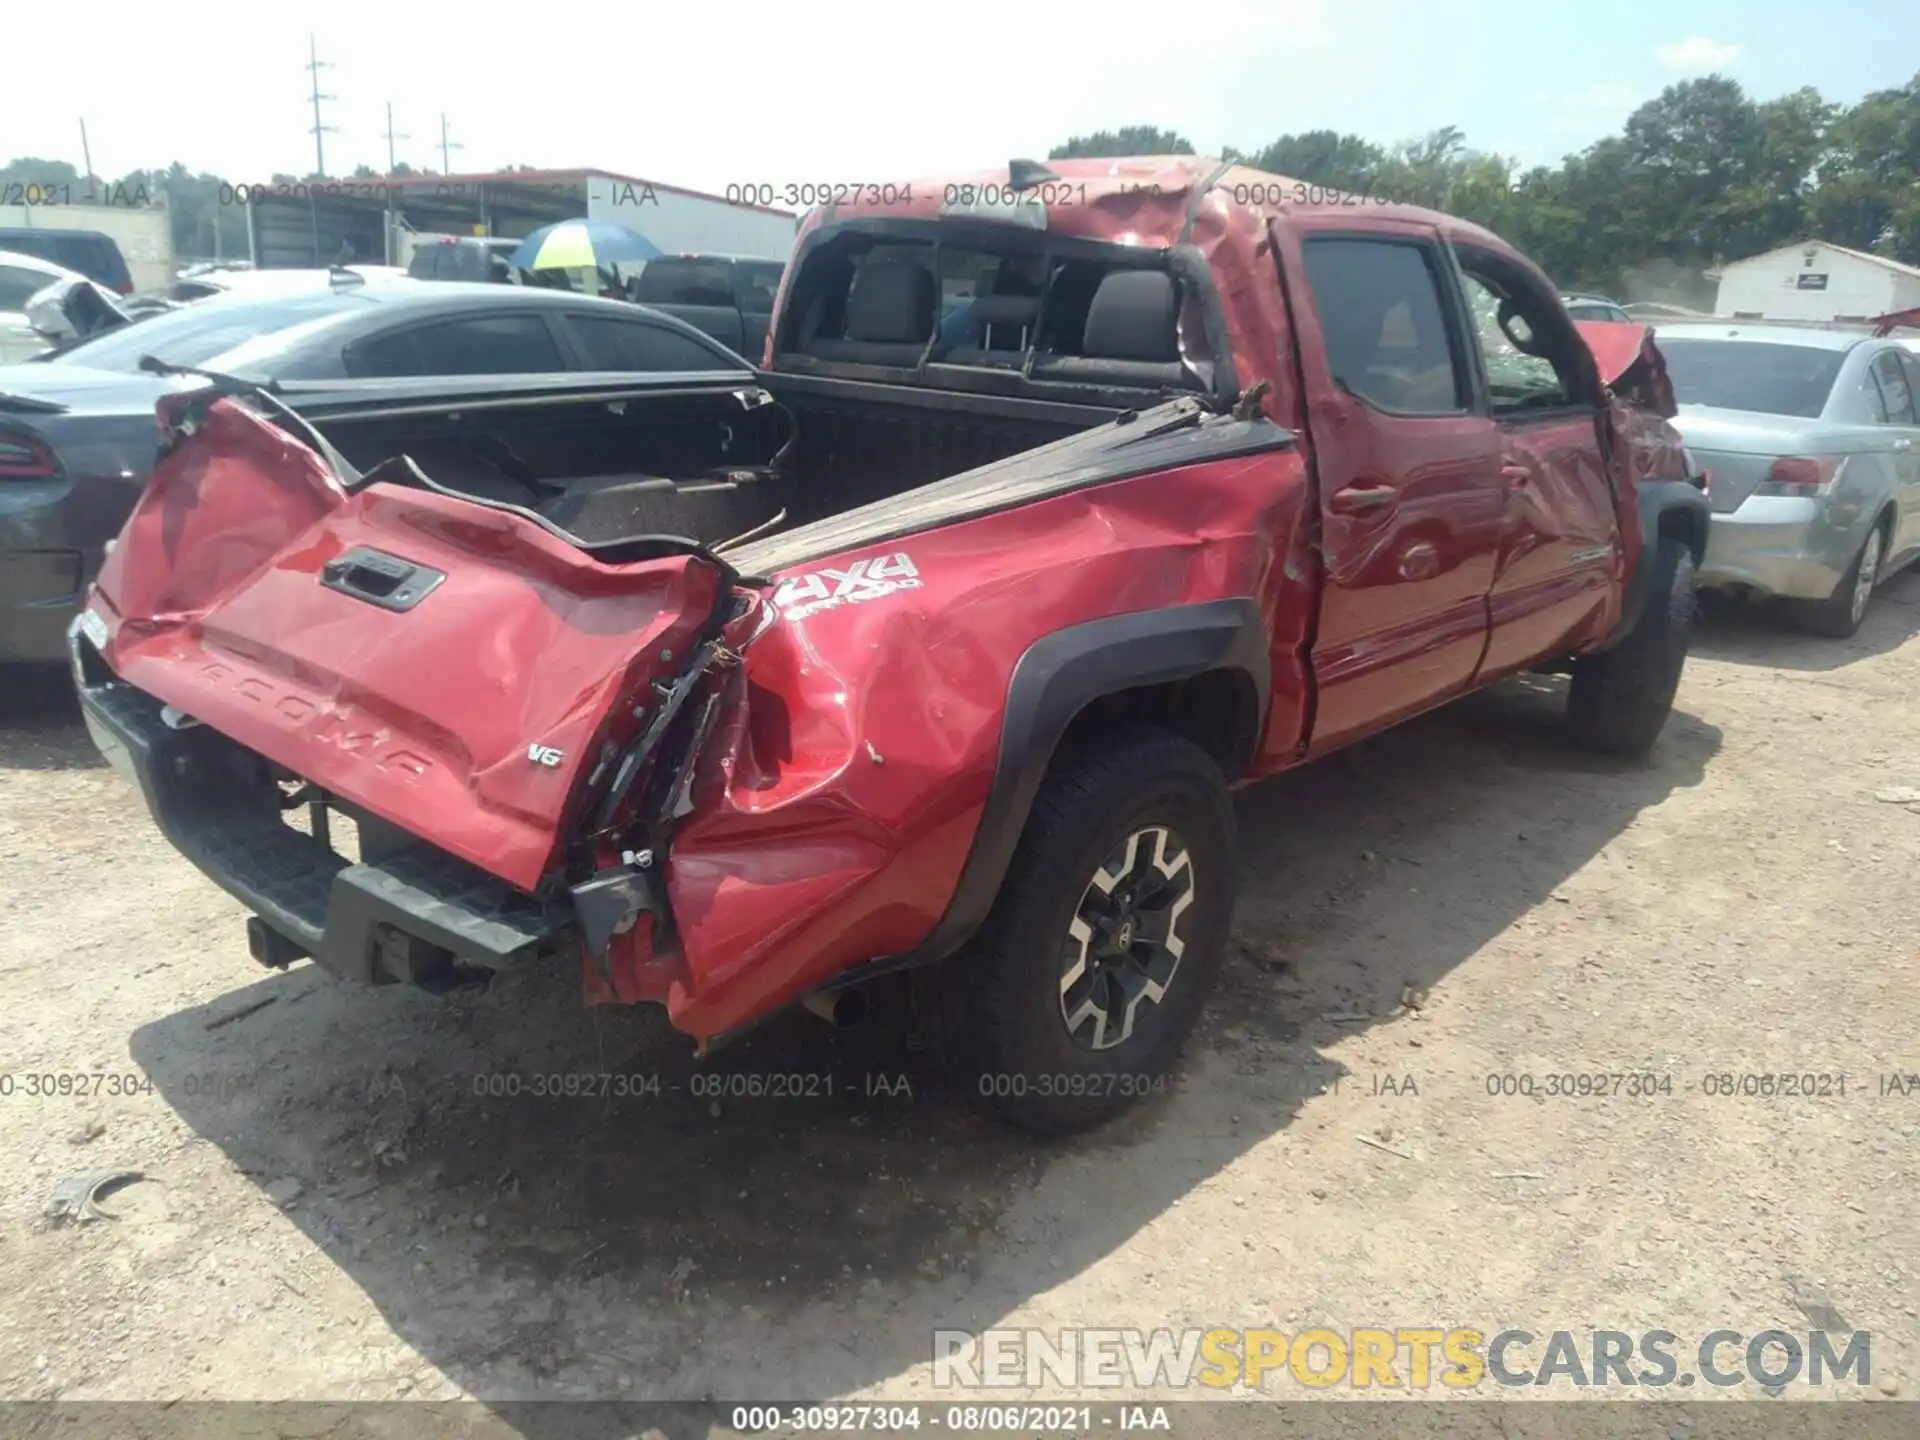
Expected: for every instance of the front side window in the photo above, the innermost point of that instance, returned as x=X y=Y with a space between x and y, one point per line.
x=1512 y=326
x=1384 y=325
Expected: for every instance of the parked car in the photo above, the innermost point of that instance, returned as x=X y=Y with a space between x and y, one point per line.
x=729 y=298
x=895 y=659
x=85 y=252
x=77 y=431
x=1596 y=307
x=21 y=278
x=1809 y=439
x=481 y=259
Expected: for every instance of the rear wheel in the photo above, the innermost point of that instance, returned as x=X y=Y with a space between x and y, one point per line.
x=1839 y=615
x=1077 y=994
x=1620 y=699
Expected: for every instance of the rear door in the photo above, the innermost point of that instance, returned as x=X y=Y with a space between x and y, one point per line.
x=1555 y=580
x=1408 y=469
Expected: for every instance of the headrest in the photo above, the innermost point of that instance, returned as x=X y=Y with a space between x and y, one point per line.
x=1132 y=317
x=892 y=301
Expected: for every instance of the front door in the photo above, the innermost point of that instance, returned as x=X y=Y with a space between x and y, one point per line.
x=1555 y=582
x=1408 y=471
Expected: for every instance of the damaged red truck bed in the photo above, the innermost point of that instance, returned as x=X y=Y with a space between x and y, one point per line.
x=1062 y=501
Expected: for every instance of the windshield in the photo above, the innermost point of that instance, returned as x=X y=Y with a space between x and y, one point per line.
x=205 y=330
x=1768 y=379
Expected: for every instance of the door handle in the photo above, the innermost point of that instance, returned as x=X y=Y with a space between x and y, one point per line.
x=380 y=579
x=1353 y=499
x=1903 y=445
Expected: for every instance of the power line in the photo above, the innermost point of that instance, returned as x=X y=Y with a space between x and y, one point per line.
x=315 y=65
x=446 y=167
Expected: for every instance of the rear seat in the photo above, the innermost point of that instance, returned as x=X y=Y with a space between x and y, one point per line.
x=1130 y=338
x=890 y=309
x=1001 y=326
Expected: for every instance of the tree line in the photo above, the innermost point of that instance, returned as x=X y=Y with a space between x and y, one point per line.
x=1698 y=176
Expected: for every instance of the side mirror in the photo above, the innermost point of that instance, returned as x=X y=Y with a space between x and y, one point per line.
x=73 y=310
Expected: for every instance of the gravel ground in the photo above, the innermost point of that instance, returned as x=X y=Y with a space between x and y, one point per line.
x=335 y=1209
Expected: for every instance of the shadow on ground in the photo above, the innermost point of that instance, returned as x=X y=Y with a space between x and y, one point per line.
x=1766 y=634
x=816 y=1202
x=40 y=725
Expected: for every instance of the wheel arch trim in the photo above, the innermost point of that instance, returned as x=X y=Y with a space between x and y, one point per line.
x=1054 y=680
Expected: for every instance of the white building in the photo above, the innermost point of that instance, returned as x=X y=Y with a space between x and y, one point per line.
x=1815 y=281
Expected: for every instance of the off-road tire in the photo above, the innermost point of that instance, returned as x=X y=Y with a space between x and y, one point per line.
x=1838 y=617
x=1003 y=1022
x=1620 y=698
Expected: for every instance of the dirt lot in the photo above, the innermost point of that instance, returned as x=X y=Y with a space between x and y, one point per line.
x=333 y=1211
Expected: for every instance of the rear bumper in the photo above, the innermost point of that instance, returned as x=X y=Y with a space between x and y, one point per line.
x=414 y=916
x=1779 y=547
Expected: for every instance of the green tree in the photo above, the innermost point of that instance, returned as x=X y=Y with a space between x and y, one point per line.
x=1322 y=157
x=1127 y=140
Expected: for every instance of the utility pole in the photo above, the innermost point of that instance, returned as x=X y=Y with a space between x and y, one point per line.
x=446 y=166
x=393 y=163
x=86 y=156
x=315 y=65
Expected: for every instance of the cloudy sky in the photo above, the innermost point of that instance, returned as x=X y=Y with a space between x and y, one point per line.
x=704 y=95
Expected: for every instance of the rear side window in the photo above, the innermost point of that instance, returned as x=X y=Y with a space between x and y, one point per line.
x=1896 y=396
x=19 y=285
x=485 y=345
x=685 y=282
x=1384 y=324
x=756 y=282
x=1753 y=375
x=610 y=343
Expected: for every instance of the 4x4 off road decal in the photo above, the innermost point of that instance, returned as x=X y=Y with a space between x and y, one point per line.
x=860 y=582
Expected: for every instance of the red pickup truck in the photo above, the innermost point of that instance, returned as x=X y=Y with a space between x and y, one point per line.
x=1063 y=501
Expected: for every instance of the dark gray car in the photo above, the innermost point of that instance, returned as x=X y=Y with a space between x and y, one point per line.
x=1811 y=442
x=77 y=429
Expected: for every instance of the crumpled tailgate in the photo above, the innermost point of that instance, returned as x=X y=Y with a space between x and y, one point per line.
x=467 y=718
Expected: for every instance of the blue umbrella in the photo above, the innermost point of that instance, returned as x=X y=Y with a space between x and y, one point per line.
x=583 y=244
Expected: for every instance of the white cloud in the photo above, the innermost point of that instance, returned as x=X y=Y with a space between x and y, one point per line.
x=1697 y=54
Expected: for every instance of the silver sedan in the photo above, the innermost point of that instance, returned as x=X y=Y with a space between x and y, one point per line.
x=1810 y=439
